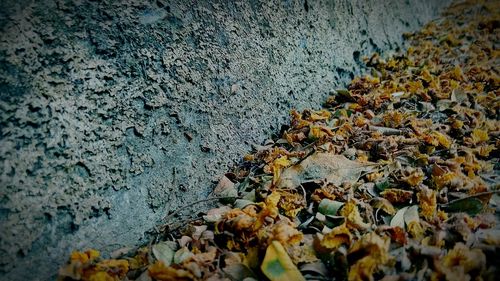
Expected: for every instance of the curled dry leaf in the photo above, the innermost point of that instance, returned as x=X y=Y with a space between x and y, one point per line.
x=395 y=195
x=353 y=218
x=376 y=249
x=428 y=202
x=338 y=236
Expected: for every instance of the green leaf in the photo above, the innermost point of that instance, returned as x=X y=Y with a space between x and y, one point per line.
x=382 y=184
x=411 y=215
x=277 y=265
x=242 y=203
x=250 y=196
x=182 y=254
x=344 y=95
x=469 y=205
x=399 y=218
x=164 y=252
x=238 y=271
x=329 y=207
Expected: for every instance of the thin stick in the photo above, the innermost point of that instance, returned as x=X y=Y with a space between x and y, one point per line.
x=472 y=196
x=166 y=218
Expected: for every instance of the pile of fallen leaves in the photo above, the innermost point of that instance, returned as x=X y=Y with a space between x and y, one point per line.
x=395 y=179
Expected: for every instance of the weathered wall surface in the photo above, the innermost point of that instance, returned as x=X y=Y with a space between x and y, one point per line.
x=112 y=113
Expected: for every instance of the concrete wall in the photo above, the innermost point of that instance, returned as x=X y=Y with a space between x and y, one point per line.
x=112 y=113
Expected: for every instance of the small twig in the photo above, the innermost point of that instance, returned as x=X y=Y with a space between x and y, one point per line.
x=385 y=130
x=471 y=196
x=305 y=194
x=166 y=218
x=308 y=154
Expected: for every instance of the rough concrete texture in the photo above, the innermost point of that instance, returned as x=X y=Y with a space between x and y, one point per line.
x=115 y=112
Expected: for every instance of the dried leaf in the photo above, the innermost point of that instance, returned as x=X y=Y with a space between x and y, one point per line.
x=461 y=262
x=411 y=214
x=225 y=188
x=283 y=231
x=395 y=195
x=428 y=202
x=336 y=169
x=415 y=178
x=376 y=249
x=291 y=203
x=479 y=136
x=277 y=167
x=161 y=272
x=336 y=237
x=302 y=253
x=353 y=218
x=412 y=222
x=215 y=215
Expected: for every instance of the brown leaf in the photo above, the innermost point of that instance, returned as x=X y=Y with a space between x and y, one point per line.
x=336 y=169
x=395 y=195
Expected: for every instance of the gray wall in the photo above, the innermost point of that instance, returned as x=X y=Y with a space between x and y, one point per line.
x=115 y=112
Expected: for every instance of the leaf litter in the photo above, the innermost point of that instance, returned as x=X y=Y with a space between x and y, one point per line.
x=395 y=179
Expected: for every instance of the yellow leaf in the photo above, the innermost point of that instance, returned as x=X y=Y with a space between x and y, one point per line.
x=160 y=272
x=363 y=269
x=84 y=257
x=320 y=115
x=353 y=218
x=318 y=132
x=484 y=150
x=118 y=267
x=277 y=265
x=101 y=276
x=427 y=199
x=338 y=236
x=442 y=215
x=302 y=253
x=272 y=203
x=291 y=203
x=415 y=229
x=442 y=139
x=284 y=231
x=457 y=124
x=278 y=165
x=479 y=135
x=442 y=180
x=460 y=261
x=249 y=157
x=336 y=169
x=415 y=178
x=383 y=204
x=376 y=249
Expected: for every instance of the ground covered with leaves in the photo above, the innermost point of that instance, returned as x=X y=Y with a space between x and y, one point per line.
x=395 y=179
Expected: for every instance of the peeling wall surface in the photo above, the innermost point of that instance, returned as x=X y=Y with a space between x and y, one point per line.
x=113 y=113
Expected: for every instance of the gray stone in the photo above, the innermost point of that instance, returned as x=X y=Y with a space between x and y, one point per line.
x=113 y=113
